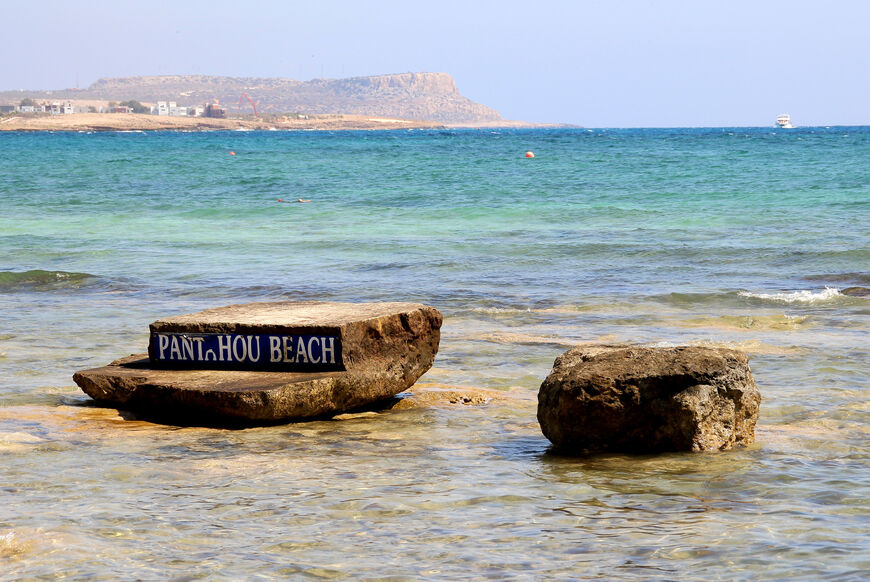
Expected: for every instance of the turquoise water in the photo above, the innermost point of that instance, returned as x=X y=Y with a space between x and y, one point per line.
x=742 y=237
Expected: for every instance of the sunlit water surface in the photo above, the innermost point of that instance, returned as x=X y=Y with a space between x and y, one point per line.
x=737 y=237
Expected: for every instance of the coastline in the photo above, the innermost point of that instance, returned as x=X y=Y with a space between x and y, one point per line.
x=146 y=122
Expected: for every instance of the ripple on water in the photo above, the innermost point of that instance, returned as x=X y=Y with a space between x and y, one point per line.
x=626 y=238
x=14 y=544
x=779 y=322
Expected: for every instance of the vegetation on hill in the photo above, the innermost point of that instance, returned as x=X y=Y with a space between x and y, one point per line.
x=419 y=96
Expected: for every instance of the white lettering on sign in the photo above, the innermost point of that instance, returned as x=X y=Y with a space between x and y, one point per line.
x=252 y=351
x=330 y=350
x=301 y=353
x=240 y=353
x=224 y=347
x=288 y=349
x=174 y=352
x=314 y=360
x=274 y=349
x=187 y=348
x=163 y=343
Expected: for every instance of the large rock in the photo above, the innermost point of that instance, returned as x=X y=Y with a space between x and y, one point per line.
x=376 y=350
x=630 y=398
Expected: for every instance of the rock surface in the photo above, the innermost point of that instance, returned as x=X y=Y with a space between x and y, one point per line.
x=856 y=292
x=426 y=397
x=386 y=347
x=627 y=398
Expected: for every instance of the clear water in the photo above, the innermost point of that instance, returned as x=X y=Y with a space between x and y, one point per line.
x=738 y=237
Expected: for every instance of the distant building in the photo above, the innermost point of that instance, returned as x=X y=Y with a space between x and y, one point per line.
x=215 y=110
x=7 y=108
x=173 y=109
x=58 y=108
x=27 y=109
x=122 y=109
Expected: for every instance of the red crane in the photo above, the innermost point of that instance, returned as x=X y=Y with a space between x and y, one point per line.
x=245 y=96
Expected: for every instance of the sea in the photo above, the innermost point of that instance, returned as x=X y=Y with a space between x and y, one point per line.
x=750 y=238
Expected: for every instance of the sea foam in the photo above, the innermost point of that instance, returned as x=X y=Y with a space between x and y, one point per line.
x=804 y=296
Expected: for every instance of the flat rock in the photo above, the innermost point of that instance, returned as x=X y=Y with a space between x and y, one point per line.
x=425 y=397
x=376 y=350
x=628 y=398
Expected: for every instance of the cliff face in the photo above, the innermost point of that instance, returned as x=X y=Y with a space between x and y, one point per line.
x=423 y=96
x=411 y=83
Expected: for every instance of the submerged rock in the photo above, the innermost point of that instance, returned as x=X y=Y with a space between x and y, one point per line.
x=630 y=398
x=856 y=291
x=445 y=396
x=270 y=362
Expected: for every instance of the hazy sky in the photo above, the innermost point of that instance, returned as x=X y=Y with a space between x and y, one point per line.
x=598 y=64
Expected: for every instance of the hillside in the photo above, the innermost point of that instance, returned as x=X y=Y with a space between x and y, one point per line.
x=419 y=96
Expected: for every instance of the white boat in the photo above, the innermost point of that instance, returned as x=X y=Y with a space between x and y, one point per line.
x=784 y=121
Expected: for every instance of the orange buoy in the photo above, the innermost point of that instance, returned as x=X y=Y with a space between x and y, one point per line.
x=530 y=154
x=232 y=153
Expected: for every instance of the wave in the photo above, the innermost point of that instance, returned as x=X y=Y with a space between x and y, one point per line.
x=503 y=310
x=804 y=296
x=691 y=300
x=38 y=280
x=501 y=337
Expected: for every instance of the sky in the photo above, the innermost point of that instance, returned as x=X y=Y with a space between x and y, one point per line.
x=617 y=63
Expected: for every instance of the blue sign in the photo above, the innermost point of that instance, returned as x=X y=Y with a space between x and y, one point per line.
x=277 y=352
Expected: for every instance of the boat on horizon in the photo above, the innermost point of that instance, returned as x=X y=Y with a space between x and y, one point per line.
x=784 y=121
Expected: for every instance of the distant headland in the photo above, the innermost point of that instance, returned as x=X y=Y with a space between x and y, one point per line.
x=197 y=102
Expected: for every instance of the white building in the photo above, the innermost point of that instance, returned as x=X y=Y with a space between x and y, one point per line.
x=172 y=108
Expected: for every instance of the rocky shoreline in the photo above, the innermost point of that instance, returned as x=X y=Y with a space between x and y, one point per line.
x=144 y=122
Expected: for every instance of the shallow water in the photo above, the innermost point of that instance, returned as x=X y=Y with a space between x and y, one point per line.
x=738 y=237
